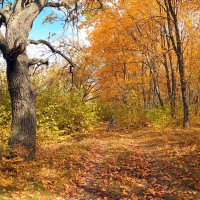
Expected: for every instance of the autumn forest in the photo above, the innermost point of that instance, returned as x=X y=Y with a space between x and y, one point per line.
x=111 y=107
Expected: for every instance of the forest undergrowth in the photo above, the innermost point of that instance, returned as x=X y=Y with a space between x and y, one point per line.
x=120 y=164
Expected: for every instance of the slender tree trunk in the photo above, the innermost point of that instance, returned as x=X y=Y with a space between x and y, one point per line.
x=157 y=91
x=196 y=105
x=23 y=127
x=126 y=88
x=197 y=98
x=150 y=92
x=143 y=88
x=171 y=86
x=156 y=85
x=190 y=93
x=167 y=78
x=165 y=61
x=177 y=46
x=173 y=77
x=183 y=91
x=173 y=92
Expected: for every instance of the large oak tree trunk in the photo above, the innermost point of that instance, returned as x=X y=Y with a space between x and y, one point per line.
x=23 y=133
x=18 y=20
x=23 y=126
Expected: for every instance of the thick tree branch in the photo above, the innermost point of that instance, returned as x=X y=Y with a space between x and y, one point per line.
x=48 y=44
x=35 y=61
x=3 y=45
x=4 y=16
x=170 y=27
x=58 y=4
x=173 y=13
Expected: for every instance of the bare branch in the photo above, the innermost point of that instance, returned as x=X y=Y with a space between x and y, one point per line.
x=92 y=98
x=35 y=61
x=48 y=44
x=160 y=4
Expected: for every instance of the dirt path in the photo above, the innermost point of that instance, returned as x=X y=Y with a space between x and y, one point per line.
x=120 y=165
x=139 y=166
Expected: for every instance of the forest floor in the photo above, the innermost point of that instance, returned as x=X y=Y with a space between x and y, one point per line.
x=141 y=164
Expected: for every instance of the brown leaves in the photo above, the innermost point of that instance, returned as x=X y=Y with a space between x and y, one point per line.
x=108 y=165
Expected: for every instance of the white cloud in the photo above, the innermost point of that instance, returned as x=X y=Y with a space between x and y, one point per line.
x=37 y=51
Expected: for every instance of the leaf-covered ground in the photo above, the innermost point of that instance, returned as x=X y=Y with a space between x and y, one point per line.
x=143 y=164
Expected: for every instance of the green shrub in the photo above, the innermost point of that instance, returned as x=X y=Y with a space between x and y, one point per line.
x=57 y=110
x=105 y=111
x=159 y=117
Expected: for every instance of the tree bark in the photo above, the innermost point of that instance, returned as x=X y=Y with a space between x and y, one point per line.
x=23 y=127
x=179 y=53
x=173 y=77
x=183 y=91
x=173 y=108
x=143 y=88
x=156 y=85
x=165 y=61
x=197 y=98
x=172 y=17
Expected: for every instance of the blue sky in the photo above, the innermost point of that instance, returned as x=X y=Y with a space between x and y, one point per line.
x=41 y=31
